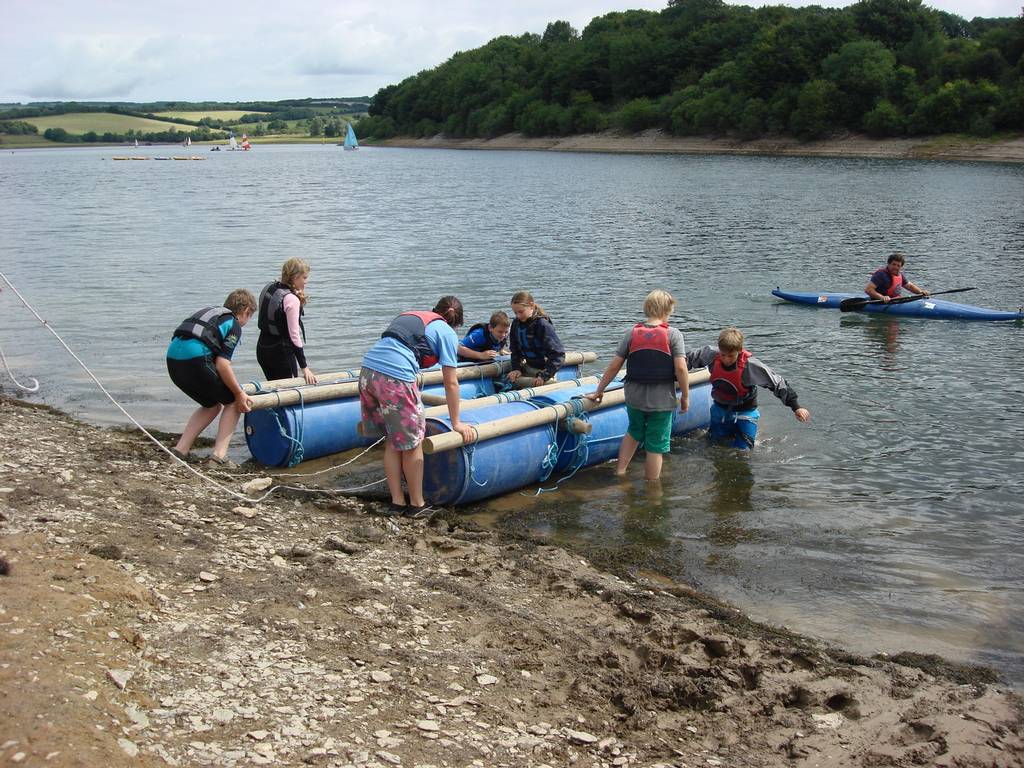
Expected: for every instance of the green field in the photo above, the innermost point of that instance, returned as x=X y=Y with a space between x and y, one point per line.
x=226 y=115
x=102 y=122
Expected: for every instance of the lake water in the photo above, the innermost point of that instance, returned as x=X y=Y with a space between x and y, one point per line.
x=892 y=521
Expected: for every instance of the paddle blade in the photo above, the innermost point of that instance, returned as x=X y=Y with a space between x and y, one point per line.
x=849 y=305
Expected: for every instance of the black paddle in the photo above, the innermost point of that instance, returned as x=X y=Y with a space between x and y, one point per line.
x=849 y=305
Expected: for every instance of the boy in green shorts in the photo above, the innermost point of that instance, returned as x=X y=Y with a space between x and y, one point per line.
x=657 y=365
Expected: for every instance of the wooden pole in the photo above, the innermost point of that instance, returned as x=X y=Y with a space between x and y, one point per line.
x=499 y=427
x=505 y=397
x=323 y=380
x=318 y=392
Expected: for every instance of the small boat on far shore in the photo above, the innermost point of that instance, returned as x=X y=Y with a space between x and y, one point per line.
x=926 y=307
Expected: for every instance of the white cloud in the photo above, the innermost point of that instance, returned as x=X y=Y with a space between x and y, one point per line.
x=115 y=49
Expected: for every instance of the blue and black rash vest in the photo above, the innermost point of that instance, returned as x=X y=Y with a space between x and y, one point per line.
x=650 y=355
x=536 y=344
x=727 y=387
x=204 y=325
x=410 y=328
x=886 y=284
x=273 y=324
x=480 y=339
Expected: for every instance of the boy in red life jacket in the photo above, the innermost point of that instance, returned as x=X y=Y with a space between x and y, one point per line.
x=735 y=377
x=885 y=283
x=657 y=365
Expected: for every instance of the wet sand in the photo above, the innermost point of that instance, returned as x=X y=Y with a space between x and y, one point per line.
x=148 y=618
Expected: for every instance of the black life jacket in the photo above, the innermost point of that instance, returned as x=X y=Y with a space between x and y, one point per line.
x=205 y=326
x=526 y=334
x=410 y=328
x=727 y=386
x=650 y=355
x=272 y=320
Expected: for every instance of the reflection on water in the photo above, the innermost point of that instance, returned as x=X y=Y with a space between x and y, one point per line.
x=880 y=331
x=896 y=510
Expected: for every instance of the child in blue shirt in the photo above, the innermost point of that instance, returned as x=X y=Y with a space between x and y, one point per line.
x=199 y=364
x=485 y=341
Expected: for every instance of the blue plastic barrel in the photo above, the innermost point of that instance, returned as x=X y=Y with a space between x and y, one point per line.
x=490 y=468
x=503 y=464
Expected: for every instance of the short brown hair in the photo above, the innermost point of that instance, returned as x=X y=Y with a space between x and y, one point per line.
x=730 y=340
x=240 y=300
x=499 y=320
x=899 y=258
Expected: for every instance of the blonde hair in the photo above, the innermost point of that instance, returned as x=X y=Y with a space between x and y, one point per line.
x=659 y=303
x=526 y=299
x=240 y=300
x=291 y=269
x=731 y=340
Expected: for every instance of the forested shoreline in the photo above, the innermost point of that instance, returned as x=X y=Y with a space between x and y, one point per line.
x=887 y=68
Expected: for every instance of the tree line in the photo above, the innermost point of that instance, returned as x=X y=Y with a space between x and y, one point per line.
x=699 y=67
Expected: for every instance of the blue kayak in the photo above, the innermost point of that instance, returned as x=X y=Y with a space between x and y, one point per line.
x=926 y=307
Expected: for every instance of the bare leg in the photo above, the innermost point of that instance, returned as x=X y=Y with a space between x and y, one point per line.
x=652 y=466
x=626 y=451
x=393 y=472
x=226 y=428
x=412 y=466
x=200 y=419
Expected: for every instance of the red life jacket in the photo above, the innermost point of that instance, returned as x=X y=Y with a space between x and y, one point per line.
x=650 y=355
x=894 y=288
x=895 y=283
x=727 y=386
x=410 y=328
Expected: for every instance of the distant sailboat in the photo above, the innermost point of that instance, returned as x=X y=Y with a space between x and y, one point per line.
x=350 y=139
x=188 y=141
x=232 y=144
x=245 y=142
x=136 y=142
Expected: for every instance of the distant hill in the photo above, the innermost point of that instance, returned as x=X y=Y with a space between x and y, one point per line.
x=701 y=67
x=171 y=121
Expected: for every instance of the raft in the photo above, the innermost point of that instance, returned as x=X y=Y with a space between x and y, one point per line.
x=287 y=435
x=926 y=307
x=539 y=454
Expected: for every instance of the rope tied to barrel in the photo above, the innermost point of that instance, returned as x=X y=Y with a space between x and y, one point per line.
x=299 y=451
x=470 y=453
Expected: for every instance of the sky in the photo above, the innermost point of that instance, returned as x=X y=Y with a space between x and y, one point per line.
x=58 y=50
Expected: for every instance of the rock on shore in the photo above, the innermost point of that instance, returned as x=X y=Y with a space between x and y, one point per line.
x=147 y=618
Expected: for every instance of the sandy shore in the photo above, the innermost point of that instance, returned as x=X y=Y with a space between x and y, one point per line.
x=147 y=618
x=1003 y=150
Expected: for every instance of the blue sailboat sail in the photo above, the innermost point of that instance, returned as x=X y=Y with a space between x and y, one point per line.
x=350 y=139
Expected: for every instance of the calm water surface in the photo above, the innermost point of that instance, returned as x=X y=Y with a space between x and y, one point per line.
x=892 y=521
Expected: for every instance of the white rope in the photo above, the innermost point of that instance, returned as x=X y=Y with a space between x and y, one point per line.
x=18 y=384
x=131 y=418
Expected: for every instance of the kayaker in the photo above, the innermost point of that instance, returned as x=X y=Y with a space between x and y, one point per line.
x=735 y=377
x=390 y=400
x=657 y=365
x=885 y=283
x=199 y=363
x=485 y=341
x=537 y=352
x=281 y=348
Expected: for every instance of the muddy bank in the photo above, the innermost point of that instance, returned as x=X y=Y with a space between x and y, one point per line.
x=1001 y=150
x=147 y=618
